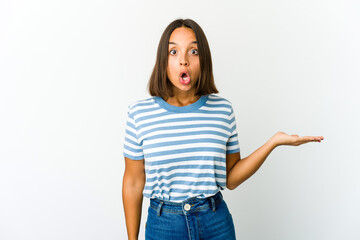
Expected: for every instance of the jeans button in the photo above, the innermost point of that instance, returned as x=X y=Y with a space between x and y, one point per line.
x=187 y=207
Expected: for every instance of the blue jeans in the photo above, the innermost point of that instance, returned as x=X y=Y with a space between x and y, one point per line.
x=192 y=219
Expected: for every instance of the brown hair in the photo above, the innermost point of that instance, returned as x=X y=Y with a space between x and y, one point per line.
x=160 y=85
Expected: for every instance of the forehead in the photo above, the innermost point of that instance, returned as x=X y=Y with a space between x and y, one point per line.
x=182 y=35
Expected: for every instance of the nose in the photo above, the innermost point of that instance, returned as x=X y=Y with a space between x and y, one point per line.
x=184 y=61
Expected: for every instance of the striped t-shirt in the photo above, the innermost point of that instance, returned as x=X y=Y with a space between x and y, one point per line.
x=184 y=148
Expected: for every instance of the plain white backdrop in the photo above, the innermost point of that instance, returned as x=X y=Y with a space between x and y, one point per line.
x=69 y=69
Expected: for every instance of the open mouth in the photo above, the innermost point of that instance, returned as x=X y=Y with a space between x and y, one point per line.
x=184 y=77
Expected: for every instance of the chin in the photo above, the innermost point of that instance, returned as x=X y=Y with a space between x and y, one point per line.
x=186 y=89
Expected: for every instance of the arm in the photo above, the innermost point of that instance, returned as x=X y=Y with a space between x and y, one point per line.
x=239 y=170
x=133 y=186
x=244 y=168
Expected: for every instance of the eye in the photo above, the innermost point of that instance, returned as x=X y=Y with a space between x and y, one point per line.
x=196 y=51
x=172 y=50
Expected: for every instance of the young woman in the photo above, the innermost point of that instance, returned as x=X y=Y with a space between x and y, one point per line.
x=181 y=145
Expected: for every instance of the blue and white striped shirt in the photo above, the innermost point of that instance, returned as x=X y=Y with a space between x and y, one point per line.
x=184 y=148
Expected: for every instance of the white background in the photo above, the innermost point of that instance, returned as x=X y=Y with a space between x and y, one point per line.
x=69 y=69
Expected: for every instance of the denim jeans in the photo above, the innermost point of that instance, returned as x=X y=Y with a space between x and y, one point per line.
x=193 y=219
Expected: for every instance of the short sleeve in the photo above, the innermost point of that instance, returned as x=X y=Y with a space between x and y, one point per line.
x=232 y=145
x=132 y=145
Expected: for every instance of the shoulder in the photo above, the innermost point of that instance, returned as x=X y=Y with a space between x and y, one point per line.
x=137 y=105
x=218 y=99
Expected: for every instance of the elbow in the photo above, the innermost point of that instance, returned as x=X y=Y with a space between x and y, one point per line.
x=133 y=183
x=230 y=187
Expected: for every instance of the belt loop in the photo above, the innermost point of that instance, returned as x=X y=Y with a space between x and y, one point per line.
x=213 y=204
x=159 y=208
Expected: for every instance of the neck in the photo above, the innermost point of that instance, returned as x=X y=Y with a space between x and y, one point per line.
x=182 y=99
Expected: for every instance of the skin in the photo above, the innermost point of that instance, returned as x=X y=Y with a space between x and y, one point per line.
x=239 y=170
x=183 y=56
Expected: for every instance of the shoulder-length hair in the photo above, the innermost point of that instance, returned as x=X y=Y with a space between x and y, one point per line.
x=160 y=85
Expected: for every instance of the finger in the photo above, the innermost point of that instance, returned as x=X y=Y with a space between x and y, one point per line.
x=308 y=138
x=317 y=139
x=312 y=138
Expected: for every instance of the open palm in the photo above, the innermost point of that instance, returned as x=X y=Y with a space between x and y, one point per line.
x=281 y=138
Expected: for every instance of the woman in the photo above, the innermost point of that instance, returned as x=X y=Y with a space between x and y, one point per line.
x=181 y=146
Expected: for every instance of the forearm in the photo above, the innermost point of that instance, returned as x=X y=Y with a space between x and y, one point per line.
x=246 y=167
x=132 y=201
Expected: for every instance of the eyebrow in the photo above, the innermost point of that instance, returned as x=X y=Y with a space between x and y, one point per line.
x=177 y=44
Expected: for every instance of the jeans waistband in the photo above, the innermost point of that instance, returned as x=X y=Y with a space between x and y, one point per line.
x=187 y=206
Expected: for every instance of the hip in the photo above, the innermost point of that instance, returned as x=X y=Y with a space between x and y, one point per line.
x=194 y=218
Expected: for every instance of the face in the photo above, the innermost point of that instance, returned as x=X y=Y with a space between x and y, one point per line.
x=183 y=56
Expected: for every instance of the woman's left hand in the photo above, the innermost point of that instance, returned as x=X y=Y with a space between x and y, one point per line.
x=281 y=138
